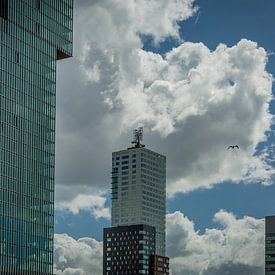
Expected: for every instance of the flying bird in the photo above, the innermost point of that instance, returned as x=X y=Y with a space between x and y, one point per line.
x=233 y=147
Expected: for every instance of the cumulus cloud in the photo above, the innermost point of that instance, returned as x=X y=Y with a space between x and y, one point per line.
x=94 y=204
x=197 y=100
x=212 y=98
x=236 y=247
x=77 y=257
x=106 y=35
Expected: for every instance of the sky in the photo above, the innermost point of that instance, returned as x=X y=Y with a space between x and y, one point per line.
x=198 y=76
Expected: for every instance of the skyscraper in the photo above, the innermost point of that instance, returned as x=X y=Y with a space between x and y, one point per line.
x=34 y=34
x=139 y=189
x=270 y=245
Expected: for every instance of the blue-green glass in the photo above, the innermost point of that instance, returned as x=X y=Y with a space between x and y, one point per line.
x=34 y=34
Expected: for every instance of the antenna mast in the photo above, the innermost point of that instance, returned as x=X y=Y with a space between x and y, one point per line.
x=138 y=137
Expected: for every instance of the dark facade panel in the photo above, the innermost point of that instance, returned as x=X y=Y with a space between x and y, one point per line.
x=159 y=265
x=4 y=9
x=270 y=224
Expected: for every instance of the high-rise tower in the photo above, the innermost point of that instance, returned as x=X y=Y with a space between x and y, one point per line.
x=270 y=245
x=139 y=189
x=34 y=34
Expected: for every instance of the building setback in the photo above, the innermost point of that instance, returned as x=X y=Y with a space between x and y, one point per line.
x=34 y=34
x=139 y=190
x=270 y=245
x=127 y=249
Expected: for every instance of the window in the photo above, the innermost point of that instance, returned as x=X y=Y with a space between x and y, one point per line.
x=15 y=120
x=16 y=57
x=37 y=28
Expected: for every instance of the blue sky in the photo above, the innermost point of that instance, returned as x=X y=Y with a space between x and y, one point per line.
x=216 y=22
x=200 y=206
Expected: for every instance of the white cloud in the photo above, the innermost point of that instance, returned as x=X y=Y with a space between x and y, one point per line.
x=193 y=102
x=77 y=257
x=214 y=98
x=235 y=247
x=238 y=245
x=94 y=204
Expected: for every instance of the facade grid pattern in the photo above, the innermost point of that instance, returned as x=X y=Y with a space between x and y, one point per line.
x=159 y=265
x=127 y=249
x=34 y=34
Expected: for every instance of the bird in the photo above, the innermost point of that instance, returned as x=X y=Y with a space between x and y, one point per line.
x=233 y=147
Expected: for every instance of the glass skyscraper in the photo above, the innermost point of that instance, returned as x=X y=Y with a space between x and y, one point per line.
x=139 y=190
x=34 y=34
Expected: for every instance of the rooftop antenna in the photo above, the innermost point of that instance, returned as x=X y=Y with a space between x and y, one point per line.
x=138 y=137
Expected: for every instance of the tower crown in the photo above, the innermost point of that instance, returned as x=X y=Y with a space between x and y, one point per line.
x=138 y=137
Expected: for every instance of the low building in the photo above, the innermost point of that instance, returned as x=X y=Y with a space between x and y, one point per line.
x=127 y=249
x=270 y=245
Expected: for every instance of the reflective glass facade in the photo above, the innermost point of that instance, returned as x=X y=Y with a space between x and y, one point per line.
x=34 y=34
x=139 y=190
